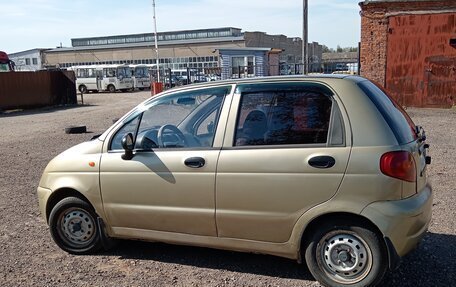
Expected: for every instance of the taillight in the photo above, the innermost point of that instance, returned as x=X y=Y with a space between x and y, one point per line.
x=399 y=164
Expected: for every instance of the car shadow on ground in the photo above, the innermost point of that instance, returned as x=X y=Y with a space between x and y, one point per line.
x=212 y=259
x=431 y=264
x=42 y=110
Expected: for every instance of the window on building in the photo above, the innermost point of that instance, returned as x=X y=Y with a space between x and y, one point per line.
x=27 y=61
x=35 y=61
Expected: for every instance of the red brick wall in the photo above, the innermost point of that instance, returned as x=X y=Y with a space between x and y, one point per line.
x=374 y=40
x=376 y=31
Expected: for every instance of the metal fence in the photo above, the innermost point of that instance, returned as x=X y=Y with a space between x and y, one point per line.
x=34 y=89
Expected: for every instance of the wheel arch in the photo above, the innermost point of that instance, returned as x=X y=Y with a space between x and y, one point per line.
x=111 y=85
x=60 y=194
x=349 y=217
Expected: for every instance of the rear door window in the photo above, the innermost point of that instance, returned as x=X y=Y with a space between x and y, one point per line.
x=282 y=114
x=399 y=121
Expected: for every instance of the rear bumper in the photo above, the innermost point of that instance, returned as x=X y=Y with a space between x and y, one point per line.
x=402 y=222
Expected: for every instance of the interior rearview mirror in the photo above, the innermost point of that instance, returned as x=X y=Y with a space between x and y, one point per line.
x=128 y=146
x=186 y=101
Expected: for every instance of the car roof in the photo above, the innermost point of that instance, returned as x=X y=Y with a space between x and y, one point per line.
x=321 y=77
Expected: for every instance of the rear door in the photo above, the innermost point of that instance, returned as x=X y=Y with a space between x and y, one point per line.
x=284 y=152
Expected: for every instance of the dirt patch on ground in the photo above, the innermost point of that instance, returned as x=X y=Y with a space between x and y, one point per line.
x=29 y=257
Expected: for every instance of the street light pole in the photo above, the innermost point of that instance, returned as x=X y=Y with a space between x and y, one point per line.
x=305 y=56
x=156 y=43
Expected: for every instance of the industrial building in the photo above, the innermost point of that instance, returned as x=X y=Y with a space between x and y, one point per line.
x=29 y=60
x=177 y=49
x=409 y=48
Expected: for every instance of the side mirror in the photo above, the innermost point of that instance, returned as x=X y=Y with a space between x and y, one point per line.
x=128 y=146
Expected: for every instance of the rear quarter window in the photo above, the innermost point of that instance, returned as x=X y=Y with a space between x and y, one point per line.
x=398 y=120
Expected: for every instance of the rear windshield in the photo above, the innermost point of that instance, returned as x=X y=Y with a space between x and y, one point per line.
x=398 y=120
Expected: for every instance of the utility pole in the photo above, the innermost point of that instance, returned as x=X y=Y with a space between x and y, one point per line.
x=156 y=43
x=305 y=55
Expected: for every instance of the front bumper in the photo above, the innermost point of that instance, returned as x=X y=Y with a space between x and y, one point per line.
x=402 y=222
x=43 y=196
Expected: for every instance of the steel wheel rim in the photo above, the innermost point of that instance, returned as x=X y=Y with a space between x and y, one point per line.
x=77 y=227
x=346 y=258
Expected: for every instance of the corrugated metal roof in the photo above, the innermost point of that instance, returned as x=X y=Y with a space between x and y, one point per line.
x=159 y=33
x=26 y=52
x=148 y=44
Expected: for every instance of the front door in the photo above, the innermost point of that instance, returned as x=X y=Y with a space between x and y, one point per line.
x=283 y=153
x=168 y=185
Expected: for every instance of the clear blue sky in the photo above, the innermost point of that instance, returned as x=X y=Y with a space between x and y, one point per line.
x=27 y=24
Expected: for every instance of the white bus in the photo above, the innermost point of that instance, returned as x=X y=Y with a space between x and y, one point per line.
x=99 y=78
x=140 y=76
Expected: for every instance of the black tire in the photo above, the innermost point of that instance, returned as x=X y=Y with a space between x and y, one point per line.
x=76 y=130
x=84 y=237
x=346 y=253
x=111 y=89
x=83 y=89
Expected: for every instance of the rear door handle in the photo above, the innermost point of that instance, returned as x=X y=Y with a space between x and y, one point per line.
x=195 y=162
x=323 y=161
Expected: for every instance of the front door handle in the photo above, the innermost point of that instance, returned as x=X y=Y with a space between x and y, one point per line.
x=195 y=162
x=323 y=161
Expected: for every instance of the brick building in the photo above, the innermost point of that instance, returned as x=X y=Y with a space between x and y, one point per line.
x=409 y=47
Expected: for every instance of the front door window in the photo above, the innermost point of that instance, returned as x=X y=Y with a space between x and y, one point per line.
x=185 y=120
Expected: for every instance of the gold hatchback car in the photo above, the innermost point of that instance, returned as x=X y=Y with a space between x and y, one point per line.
x=326 y=169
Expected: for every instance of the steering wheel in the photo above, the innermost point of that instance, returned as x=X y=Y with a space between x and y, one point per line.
x=176 y=132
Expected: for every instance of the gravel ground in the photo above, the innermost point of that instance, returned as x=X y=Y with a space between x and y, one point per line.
x=28 y=256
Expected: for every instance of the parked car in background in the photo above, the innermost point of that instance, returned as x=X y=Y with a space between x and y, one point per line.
x=6 y=65
x=323 y=169
x=173 y=81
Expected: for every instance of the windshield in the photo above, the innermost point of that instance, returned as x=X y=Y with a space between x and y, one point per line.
x=124 y=72
x=4 y=68
x=141 y=72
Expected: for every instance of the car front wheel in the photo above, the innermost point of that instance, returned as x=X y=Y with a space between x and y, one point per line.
x=340 y=254
x=73 y=226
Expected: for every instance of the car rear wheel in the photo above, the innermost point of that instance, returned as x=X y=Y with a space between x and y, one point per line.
x=340 y=254
x=73 y=226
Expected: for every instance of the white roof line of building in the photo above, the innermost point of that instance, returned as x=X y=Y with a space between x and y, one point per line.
x=148 y=44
